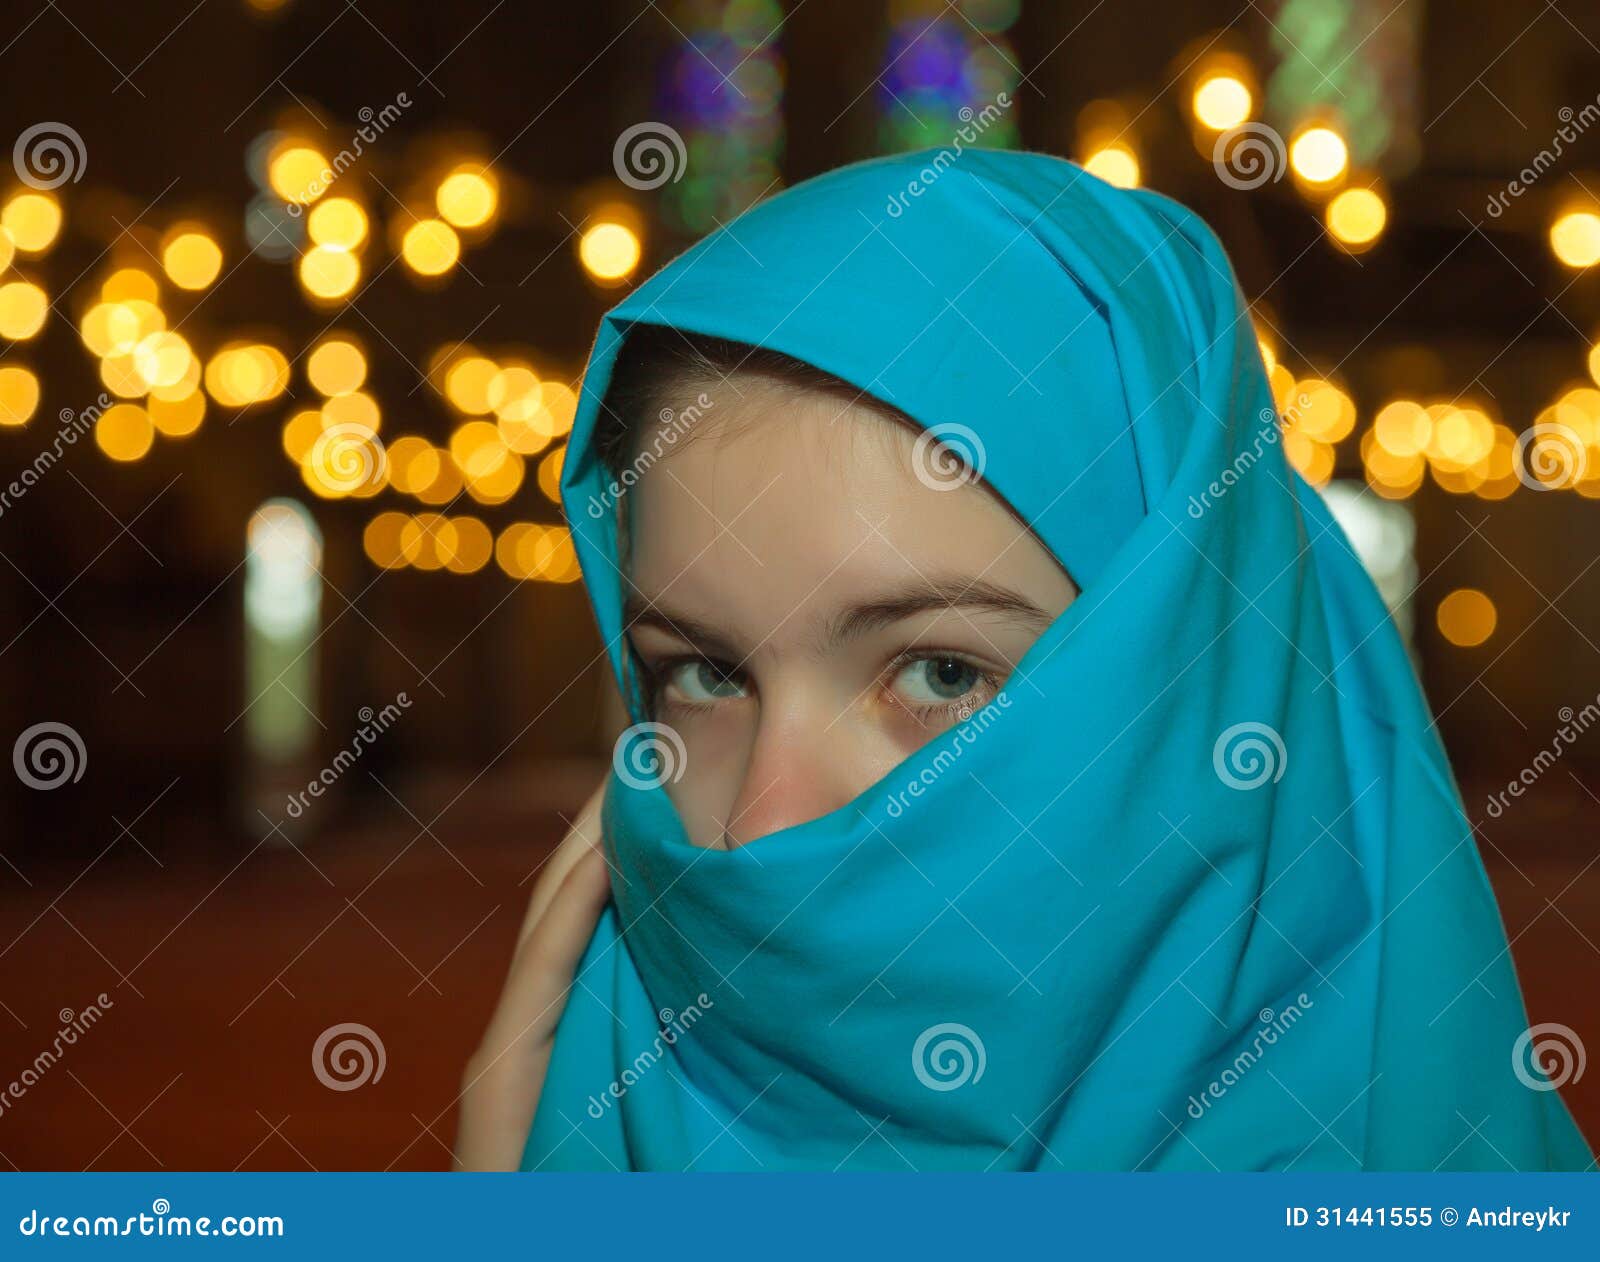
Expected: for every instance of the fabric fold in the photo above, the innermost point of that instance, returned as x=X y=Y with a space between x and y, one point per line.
x=1195 y=891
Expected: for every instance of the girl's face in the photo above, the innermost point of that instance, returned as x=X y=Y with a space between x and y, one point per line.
x=807 y=611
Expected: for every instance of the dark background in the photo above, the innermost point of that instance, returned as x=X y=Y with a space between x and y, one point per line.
x=225 y=953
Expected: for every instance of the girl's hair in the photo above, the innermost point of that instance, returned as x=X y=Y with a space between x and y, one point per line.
x=661 y=371
x=660 y=374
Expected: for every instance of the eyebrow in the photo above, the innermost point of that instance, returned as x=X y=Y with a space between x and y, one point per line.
x=924 y=595
x=640 y=612
x=936 y=595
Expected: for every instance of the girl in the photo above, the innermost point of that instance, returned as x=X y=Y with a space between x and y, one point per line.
x=1024 y=772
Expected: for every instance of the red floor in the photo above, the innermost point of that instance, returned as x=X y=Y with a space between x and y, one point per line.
x=222 y=976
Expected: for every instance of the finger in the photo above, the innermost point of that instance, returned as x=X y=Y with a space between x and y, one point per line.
x=506 y=1077
x=582 y=837
x=542 y=971
x=557 y=942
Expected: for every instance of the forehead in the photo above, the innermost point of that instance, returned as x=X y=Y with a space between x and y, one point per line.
x=787 y=504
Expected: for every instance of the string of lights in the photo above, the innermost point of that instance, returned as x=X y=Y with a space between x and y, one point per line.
x=509 y=414
x=1457 y=442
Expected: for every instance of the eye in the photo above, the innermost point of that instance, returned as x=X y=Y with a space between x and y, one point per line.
x=933 y=681
x=700 y=681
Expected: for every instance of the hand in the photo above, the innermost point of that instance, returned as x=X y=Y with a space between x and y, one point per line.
x=501 y=1085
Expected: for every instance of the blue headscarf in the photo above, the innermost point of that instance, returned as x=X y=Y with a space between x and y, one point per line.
x=1196 y=890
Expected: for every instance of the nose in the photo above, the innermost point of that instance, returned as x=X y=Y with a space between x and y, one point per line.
x=800 y=768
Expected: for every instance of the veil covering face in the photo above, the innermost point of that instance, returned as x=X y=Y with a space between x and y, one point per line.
x=1195 y=891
